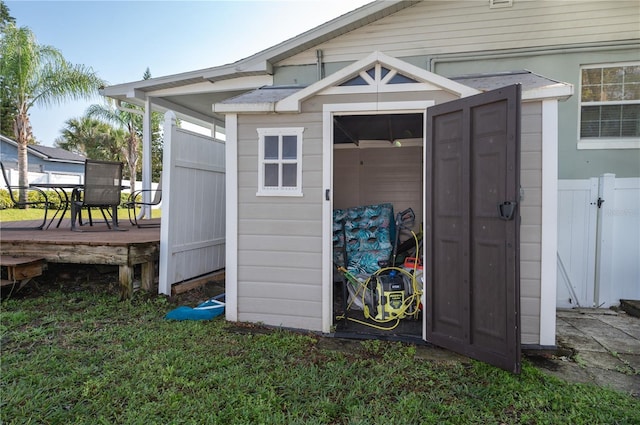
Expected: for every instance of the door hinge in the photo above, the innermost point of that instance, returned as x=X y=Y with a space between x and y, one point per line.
x=326 y=194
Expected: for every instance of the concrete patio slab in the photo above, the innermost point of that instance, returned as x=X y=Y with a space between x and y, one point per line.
x=605 y=347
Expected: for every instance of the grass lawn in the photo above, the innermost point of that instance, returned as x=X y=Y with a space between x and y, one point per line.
x=74 y=354
x=16 y=214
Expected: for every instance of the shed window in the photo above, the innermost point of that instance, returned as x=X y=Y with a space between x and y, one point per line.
x=280 y=161
x=610 y=106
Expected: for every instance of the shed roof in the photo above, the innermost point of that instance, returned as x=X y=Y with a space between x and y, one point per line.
x=266 y=94
x=534 y=86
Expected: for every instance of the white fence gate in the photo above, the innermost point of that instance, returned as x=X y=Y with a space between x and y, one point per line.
x=598 y=241
x=192 y=236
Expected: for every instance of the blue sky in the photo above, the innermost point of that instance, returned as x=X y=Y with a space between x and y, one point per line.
x=120 y=39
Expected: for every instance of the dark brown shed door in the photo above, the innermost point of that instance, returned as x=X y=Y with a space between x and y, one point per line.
x=472 y=229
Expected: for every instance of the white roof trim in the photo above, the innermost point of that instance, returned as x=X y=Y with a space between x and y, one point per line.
x=560 y=91
x=240 y=83
x=225 y=108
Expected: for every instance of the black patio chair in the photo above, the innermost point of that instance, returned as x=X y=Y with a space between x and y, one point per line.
x=135 y=203
x=102 y=188
x=44 y=201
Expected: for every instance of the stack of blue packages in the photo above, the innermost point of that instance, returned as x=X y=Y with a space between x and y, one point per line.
x=367 y=237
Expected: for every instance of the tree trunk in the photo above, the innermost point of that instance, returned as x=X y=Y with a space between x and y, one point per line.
x=22 y=133
x=130 y=153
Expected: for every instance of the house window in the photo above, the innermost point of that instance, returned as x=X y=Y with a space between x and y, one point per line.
x=610 y=106
x=280 y=161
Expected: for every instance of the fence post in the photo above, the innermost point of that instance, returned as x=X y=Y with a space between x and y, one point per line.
x=164 y=285
x=604 y=236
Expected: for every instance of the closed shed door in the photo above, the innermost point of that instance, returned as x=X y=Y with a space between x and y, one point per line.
x=472 y=189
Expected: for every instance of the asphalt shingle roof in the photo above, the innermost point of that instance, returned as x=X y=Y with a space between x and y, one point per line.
x=57 y=153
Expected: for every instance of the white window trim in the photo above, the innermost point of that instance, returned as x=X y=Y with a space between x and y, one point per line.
x=280 y=191
x=604 y=143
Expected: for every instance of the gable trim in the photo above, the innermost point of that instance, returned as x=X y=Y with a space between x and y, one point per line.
x=292 y=103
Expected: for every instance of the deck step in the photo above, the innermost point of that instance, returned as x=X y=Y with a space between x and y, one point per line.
x=20 y=269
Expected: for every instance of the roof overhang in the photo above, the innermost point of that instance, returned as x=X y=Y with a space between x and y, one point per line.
x=288 y=100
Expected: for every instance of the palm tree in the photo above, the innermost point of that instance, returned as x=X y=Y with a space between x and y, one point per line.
x=92 y=138
x=128 y=118
x=34 y=74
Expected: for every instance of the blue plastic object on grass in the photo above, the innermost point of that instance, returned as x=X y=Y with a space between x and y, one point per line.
x=206 y=311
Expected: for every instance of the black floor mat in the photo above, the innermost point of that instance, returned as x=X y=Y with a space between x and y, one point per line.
x=408 y=330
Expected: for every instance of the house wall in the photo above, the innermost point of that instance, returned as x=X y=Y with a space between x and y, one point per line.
x=574 y=163
x=9 y=156
x=457 y=38
x=280 y=238
x=442 y=27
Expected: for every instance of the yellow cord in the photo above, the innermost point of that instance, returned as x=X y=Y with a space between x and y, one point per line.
x=408 y=302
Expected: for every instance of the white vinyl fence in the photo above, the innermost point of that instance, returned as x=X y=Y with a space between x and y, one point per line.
x=192 y=233
x=598 y=241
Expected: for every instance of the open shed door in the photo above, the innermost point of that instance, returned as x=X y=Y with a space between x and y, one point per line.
x=472 y=226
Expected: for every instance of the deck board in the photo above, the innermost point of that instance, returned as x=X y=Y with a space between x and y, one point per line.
x=96 y=245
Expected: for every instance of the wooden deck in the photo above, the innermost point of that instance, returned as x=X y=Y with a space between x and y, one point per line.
x=94 y=245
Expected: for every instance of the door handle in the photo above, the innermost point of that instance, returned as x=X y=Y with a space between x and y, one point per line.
x=507 y=210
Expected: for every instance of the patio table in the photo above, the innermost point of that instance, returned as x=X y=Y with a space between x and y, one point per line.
x=61 y=190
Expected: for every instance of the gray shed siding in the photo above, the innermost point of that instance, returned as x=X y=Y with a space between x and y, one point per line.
x=531 y=221
x=280 y=238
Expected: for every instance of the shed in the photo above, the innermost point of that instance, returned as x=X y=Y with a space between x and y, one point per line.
x=279 y=213
x=321 y=94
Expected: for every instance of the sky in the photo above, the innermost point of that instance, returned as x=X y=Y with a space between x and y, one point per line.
x=120 y=39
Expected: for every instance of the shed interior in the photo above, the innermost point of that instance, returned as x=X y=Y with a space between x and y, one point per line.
x=378 y=159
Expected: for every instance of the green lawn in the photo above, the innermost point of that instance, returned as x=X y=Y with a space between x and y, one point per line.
x=16 y=214
x=77 y=355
